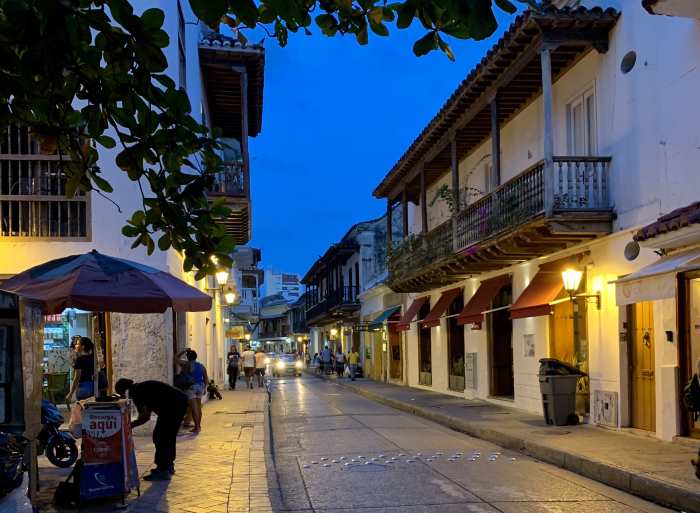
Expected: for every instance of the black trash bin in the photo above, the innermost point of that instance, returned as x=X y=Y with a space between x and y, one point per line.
x=558 y=386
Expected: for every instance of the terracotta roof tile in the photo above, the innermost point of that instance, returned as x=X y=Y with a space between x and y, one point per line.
x=679 y=218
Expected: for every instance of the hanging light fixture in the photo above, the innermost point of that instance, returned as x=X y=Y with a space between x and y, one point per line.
x=230 y=296
x=222 y=277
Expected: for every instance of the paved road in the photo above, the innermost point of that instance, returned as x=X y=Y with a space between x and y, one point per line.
x=336 y=451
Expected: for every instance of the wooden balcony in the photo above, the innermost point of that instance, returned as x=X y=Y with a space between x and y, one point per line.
x=337 y=304
x=233 y=184
x=522 y=219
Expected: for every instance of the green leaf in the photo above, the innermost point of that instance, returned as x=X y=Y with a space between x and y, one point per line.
x=153 y=18
x=209 y=11
x=425 y=44
x=506 y=5
x=362 y=36
x=247 y=11
x=445 y=48
x=406 y=14
x=164 y=242
x=106 y=141
x=102 y=183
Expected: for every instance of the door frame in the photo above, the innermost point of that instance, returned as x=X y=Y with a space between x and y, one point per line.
x=685 y=363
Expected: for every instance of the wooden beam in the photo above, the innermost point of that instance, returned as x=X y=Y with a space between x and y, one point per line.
x=455 y=173
x=404 y=212
x=548 y=122
x=423 y=203
x=495 y=144
x=389 y=244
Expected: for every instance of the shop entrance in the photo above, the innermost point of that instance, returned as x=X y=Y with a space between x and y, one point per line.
x=641 y=358
x=689 y=342
x=501 y=345
x=425 y=358
x=395 y=356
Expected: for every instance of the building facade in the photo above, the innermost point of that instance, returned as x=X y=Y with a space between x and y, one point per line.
x=574 y=132
x=243 y=317
x=287 y=284
x=335 y=287
x=39 y=223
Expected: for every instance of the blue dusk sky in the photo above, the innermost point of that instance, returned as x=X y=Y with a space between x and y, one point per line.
x=336 y=117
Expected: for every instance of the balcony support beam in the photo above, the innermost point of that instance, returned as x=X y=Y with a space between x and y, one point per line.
x=548 y=123
x=495 y=143
x=404 y=212
x=389 y=222
x=423 y=202
x=454 y=160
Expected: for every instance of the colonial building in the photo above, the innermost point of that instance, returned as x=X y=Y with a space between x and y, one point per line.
x=573 y=132
x=224 y=82
x=336 y=285
x=275 y=332
x=247 y=279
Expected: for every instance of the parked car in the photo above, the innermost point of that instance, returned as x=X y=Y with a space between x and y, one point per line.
x=287 y=365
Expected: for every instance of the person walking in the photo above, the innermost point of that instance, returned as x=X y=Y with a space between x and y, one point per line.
x=260 y=365
x=83 y=385
x=326 y=360
x=198 y=373
x=234 y=362
x=340 y=362
x=169 y=404
x=248 y=358
x=353 y=358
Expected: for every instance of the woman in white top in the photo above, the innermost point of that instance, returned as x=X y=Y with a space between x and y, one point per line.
x=248 y=358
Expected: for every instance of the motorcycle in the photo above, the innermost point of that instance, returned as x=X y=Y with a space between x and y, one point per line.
x=60 y=446
x=11 y=462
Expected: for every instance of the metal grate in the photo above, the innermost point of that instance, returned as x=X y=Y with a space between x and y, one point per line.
x=33 y=200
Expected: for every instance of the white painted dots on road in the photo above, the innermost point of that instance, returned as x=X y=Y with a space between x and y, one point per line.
x=384 y=460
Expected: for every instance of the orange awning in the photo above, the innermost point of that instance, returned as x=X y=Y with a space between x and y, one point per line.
x=542 y=290
x=405 y=322
x=433 y=318
x=481 y=300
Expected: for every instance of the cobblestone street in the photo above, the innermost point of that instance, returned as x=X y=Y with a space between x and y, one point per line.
x=222 y=470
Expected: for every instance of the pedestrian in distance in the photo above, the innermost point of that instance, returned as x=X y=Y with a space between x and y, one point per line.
x=691 y=399
x=316 y=363
x=260 y=365
x=353 y=358
x=326 y=357
x=248 y=358
x=200 y=379
x=340 y=362
x=169 y=404
x=234 y=364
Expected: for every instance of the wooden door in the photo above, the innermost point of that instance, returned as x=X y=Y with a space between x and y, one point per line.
x=561 y=332
x=395 y=365
x=642 y=382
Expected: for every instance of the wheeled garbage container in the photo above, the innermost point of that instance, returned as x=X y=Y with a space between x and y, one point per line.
x=558 y=387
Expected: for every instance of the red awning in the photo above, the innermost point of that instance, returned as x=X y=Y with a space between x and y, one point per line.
x=481 y=300
x=405 y=322
x=542 y=290
x=433 y=318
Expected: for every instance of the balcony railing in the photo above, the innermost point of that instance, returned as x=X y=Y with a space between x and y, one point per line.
x=340 y=297
x=580 y=184
x=230 y=181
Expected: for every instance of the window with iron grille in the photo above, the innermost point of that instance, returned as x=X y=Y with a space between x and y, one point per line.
x=33 y=201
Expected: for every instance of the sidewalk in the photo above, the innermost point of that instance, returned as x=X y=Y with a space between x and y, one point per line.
x=655 y=470
x=225 y=469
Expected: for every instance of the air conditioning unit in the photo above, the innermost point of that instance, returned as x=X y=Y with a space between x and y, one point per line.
x=605 y=408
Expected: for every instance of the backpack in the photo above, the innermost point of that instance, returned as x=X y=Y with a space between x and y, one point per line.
x=691 y=397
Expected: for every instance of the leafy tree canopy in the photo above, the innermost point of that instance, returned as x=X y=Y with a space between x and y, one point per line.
x=79 y=71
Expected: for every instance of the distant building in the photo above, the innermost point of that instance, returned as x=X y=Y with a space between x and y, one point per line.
x=274 y=333
x=247 y=279
x=287 y=284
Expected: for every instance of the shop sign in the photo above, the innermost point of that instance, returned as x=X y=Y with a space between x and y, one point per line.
x=235 y=332
x=102 y=436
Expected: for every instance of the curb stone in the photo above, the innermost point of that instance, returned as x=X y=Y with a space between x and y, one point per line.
x=643 y=486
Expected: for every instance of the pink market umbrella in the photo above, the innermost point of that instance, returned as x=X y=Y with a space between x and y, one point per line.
x=100 y=283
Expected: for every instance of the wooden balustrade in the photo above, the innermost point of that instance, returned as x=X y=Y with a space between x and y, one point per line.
x=580 y=184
